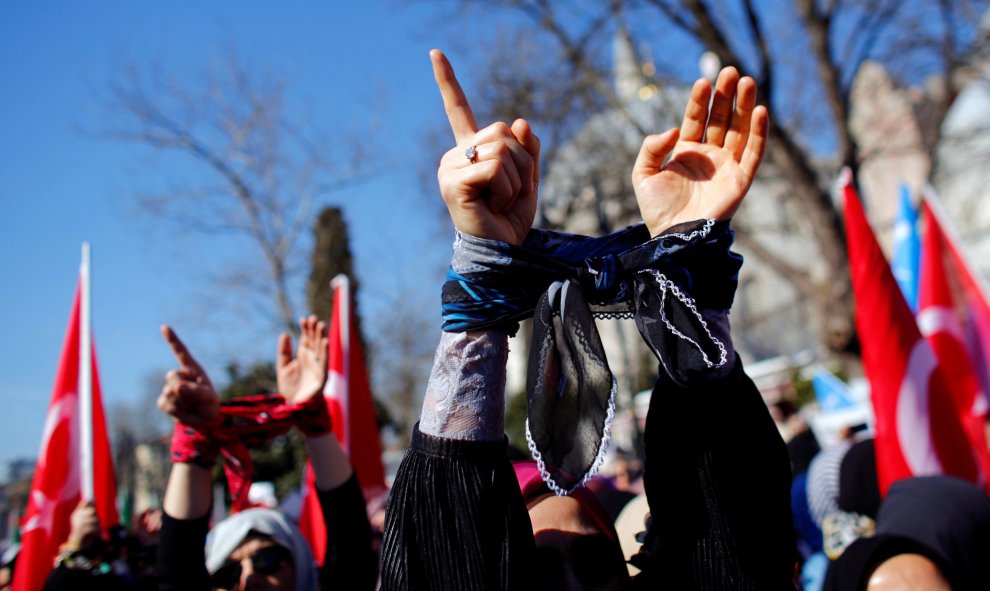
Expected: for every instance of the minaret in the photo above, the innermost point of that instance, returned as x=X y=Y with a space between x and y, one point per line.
x=626 y=70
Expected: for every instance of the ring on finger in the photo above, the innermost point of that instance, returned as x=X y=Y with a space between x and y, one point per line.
x=471 y=154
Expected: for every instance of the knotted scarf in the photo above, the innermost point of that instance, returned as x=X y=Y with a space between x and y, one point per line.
x=564 y=281
x=243 y=422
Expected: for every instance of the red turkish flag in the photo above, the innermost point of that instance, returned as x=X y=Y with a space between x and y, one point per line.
x=950 y=323
x=352 y=412
x=56 y=487
x=918 y=431
x=971 y=299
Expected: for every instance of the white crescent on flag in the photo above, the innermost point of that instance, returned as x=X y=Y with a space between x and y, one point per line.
x=62 y=410
x=935 y=319
x=913 y=427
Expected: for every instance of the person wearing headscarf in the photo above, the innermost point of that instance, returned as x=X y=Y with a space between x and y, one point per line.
x=823 y=481
x=716 y=473
x=576 y=541
x=268 y=531
x=932 y=533
x=257 y=548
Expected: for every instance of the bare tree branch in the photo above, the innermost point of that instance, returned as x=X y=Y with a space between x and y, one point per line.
x=259 y=171
x=819 y=28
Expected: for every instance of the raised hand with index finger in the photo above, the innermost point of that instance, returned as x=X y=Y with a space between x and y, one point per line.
x=188 y=394
x=489 y=180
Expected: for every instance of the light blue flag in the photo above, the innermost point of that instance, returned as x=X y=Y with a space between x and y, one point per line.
x=907 y=249
x=832 y=393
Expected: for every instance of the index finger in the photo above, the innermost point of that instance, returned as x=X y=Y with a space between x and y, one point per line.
x=458 y=110
x=179 y=349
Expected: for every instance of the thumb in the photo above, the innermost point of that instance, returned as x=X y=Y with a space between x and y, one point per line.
x=653 y=152
x=525 y=136
x=284 y=351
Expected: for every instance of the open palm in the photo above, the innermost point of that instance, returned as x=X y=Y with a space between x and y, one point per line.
x=303 y=376
x=711 y=167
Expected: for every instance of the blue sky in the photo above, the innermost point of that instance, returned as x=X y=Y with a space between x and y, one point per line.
x=60 y=186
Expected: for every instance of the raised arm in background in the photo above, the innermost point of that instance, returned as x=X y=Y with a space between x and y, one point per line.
x=189 y=397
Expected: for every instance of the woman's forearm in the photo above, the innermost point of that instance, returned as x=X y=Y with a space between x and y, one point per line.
x=188 y=494
x=465 y=397
x=331 y=466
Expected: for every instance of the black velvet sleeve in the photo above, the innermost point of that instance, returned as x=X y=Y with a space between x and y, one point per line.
x=717 y=479
x=456 y=519
x=350 y=561
x=181 y=557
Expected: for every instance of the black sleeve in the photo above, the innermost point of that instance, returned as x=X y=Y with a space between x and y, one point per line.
x=717 y=479
x=456 y=519
x=717 y=473
x=350 y=561
x=63 y=578
x=181 y=556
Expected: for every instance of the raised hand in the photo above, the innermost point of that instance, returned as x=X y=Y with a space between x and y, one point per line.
x=188 y=394
x=303 y=376
x=490 y=191
x=84 y=526
x=709 y=171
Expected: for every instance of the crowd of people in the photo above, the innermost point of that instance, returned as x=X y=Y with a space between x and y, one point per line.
x=727 y=504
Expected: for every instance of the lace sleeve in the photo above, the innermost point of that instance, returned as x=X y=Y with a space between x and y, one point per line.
x=465 y=397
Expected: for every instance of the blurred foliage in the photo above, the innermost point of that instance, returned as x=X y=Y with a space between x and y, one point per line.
x=258 y=378
x=802 y=389
x=281 y=462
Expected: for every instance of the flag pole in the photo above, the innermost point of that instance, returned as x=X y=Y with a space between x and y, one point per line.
x=85 y=381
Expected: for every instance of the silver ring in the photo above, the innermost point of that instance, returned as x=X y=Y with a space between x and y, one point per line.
x=471 y=154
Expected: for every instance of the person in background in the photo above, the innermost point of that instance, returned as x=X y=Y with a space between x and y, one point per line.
x=7 y=563
x=932 y=534
x=142 y=549
x=258 y=549
x=86 y=561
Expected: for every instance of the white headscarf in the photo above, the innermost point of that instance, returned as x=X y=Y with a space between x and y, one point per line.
x=231 y=532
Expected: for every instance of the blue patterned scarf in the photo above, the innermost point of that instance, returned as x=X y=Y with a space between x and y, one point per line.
x=564 y=281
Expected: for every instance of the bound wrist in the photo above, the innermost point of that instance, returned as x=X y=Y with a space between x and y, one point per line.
x=194 y=445
x=313 y=418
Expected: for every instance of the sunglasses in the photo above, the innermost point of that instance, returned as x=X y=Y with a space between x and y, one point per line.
x=267 y=561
